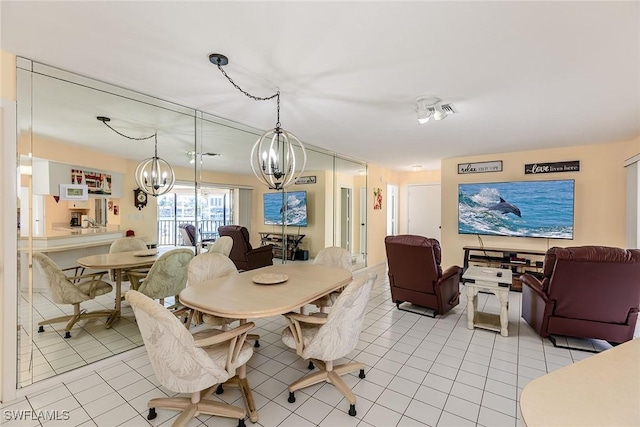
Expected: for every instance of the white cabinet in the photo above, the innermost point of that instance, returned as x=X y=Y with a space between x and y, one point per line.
x=48 y=175
x=78 y=204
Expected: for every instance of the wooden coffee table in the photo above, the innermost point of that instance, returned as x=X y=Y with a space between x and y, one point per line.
x=495 y=281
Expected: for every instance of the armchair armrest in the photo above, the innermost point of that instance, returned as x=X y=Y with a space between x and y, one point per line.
x=260 y=256
x=94 y=279
x=235 y=337
x=313 y=318
x=218 y=336
x=135 y=278
x=450 y=272
x=534 y=284
x=97 y=274
x=294 y=321
x=261 y=249
x=448 y=288
x=78 y=270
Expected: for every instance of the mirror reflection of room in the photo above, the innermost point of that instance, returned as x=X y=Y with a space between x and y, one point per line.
x=78 y=196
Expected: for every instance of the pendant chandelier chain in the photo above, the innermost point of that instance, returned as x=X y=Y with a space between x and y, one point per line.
x=131 y=137
x=273 y=157
x=154 y=175
x=255 y=98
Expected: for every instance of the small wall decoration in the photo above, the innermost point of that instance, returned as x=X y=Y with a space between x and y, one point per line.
x=377 y=198
x=537 y=168
x=116 y=209
x=140 y=198
x=98 y=182
x=480 y=167
x=306 y=180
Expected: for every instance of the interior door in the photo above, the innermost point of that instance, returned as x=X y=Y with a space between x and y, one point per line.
x=345 y=218
x=392 y=210
x=363 y=220
x=424 y=210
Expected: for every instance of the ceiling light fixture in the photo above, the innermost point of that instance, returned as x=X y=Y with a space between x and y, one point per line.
x=431 y=106
x=191 y=155
x=154 y=175
x=273 y=157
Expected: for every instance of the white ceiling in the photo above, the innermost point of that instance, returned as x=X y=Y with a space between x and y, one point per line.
x=521 y=75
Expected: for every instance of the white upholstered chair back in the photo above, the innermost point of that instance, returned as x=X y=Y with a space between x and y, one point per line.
x=340 y=334
x=168 y=275
x=127 y=244
x=222 y=245
x=206 y=266
x=177 y=363
x=209 y=265
x=334 y=256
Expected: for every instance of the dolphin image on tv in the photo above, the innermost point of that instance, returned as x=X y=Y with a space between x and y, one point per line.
x=292 y=202
x=506 y=207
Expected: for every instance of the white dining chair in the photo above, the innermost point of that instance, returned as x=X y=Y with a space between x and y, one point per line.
x=207 y=266
x=72 y=290
x=186 y=363
x=324 y=339
x=222 y=245
x=127 y=244
x=336 y=257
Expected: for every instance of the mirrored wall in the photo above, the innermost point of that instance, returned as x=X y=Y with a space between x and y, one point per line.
x=60 y=141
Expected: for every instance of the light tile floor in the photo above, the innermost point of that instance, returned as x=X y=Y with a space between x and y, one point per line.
x=49 y=353
x=421 y=372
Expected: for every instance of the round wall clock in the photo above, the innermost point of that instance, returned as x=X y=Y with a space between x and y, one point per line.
x=140 y=198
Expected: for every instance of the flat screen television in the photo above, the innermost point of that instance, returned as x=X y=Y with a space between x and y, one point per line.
x=518 y=209
x=290 y=206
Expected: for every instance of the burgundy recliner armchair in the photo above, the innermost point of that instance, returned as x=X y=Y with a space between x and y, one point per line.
x=242 y=254
x=415 y=274
x=587 y=292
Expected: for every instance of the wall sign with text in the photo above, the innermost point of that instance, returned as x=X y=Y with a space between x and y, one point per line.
x=306 y=180
x=537 y=168
x=480 y=167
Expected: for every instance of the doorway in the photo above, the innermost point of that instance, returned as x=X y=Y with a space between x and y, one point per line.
x=392 y=210
x=363 y=222
x=345 y=218
x=424 y=210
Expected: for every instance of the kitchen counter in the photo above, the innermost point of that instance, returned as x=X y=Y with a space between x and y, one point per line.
x=64 y=245
x=64 y=238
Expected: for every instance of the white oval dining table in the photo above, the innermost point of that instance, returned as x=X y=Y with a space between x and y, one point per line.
x=239 y=297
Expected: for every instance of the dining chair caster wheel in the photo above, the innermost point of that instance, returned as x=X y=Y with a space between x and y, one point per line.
x=41 y=329
x=67 y=334
x=219 y=390
x=152 y=414
x=362 y=375
x=257 y=344
x=352 y=410
x=311 y=365
x=291 y=398
x=241 y=423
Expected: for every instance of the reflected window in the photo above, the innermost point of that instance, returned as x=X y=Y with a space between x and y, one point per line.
x=211 y=209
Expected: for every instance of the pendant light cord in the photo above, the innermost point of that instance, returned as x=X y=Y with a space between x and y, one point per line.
x=126 y=136
x=255 y=98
